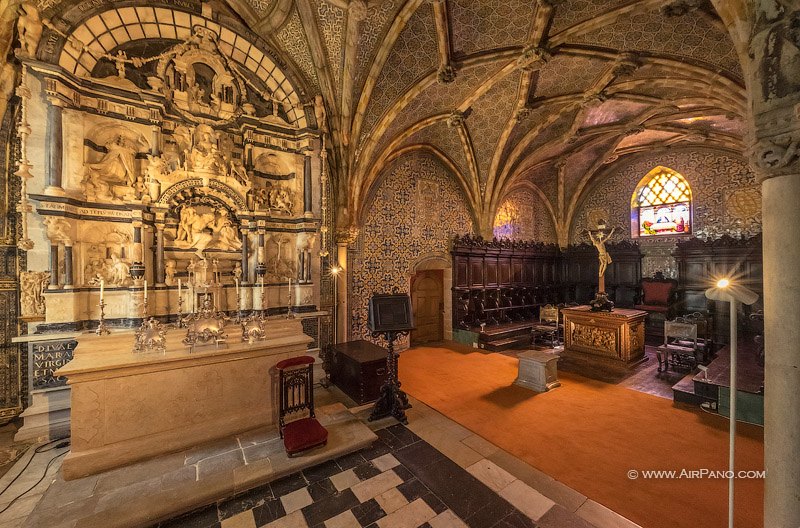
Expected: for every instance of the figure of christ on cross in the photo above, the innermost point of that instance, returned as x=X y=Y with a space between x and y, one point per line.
x=599 y=241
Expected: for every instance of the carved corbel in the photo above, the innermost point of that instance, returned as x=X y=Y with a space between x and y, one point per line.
x=533 y=58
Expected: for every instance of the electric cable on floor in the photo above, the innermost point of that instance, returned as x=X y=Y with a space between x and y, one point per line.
x=37 y=450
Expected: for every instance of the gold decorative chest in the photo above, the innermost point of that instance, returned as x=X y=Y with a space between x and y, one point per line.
x=615 y=338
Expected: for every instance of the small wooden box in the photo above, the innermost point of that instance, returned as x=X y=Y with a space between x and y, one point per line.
x=359 y=369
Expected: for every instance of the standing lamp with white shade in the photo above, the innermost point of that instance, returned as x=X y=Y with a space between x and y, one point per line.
x=727 y=291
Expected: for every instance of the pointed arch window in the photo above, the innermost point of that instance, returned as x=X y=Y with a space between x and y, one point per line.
x=661 y=204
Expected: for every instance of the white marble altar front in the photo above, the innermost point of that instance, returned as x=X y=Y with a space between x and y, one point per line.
x=129 y=406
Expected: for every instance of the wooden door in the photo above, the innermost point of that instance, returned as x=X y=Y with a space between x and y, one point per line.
x=427 y=297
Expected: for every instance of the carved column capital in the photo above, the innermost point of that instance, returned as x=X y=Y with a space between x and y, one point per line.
x=776 y=155
x=347 y=235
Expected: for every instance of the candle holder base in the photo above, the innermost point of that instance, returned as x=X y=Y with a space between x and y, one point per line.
x=102 y=328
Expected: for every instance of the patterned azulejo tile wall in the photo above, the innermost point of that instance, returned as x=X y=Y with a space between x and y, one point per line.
x=726 y=200
x=414 y=212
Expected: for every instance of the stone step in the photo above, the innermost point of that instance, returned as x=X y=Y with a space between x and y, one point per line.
x=684 y=391
x=507 y=343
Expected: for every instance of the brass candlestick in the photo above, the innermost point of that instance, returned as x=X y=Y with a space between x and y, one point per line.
x=102 y=329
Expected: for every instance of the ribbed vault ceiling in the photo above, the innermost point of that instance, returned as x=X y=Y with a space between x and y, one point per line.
x=541 y=94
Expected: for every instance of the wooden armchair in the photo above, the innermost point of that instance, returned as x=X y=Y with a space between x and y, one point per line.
x=548 y=324
x=658 y=300
x=679 y=348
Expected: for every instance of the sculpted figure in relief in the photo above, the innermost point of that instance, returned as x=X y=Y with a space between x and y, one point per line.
x=116 y=168
x=205 y=155
x=32 y=285
x=225 y=232
x=169 y=272
x=29 y=27
x=203 y=230
x=8 y=75
x=57 y=230
x=120 y=271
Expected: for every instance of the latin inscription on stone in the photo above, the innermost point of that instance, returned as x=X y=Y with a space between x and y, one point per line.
x=47 y=357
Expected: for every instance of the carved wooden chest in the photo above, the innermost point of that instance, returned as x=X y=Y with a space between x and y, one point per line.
x=359 y=369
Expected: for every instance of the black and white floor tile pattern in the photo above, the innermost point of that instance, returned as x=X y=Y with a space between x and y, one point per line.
x=399 y=482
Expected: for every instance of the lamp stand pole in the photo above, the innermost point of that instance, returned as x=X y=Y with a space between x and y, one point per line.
x=732 y=444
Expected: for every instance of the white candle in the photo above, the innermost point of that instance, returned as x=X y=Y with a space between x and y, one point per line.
x=145 y=291
x=237 y=287
x=102 y=289
x=179 y=288
x=289 y=299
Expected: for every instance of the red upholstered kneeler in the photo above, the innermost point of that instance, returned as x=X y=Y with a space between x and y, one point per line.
x=296 y=383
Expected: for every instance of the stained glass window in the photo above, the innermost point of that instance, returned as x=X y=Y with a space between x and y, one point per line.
x=662 y=204
x=505 y=221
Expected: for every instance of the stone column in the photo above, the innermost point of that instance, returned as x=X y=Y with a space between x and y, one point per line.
x=307 y=186
x=68 y=273
x=245 y=270
x=55 y=147
x=138 y=250
x=160 y=275
x=344 y=238
x=774 y=100
x=781 y=246
x=53 y=266
x=155 y=148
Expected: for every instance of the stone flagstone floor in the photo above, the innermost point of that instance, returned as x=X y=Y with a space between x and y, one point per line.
x=432 y=473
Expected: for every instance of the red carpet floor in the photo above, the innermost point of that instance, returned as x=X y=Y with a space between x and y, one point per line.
x=589 y=435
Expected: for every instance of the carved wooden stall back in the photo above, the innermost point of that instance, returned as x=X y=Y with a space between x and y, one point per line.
x=502 y=281
x=701 y=263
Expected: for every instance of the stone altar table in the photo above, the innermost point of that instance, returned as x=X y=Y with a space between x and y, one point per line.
x=538 y=371
x=130 y=406
x=614 y=338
